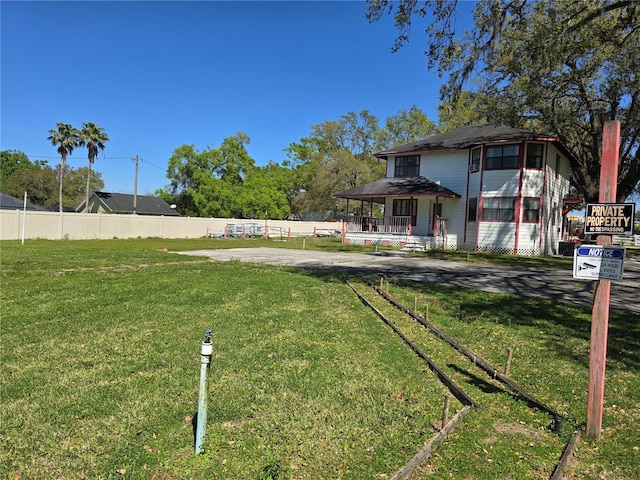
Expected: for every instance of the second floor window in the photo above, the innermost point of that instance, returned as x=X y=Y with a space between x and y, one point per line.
x=502 y=157
x=474 y=166
x=534 y=155
x=408 y=166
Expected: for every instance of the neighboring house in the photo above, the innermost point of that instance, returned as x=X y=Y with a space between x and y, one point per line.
x=7 y=202
x=481 y=187
x=106 y=202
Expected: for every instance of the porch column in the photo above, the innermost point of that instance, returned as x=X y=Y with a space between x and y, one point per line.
x=410 y=226
x=436 y=221
x=345 y=223
x=370 y=216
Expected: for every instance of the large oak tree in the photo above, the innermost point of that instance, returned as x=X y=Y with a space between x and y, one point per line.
x=561 y=66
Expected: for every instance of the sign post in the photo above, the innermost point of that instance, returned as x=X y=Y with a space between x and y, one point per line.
x=602 y=288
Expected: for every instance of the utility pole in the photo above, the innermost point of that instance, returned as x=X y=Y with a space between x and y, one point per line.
x=135 y=188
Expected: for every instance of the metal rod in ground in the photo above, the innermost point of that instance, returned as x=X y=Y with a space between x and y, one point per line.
x=201 y=418
x=507 y=365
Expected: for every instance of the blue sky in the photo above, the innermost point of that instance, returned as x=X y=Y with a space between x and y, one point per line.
x=157 y=75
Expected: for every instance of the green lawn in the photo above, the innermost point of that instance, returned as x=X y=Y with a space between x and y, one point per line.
x=100 y=346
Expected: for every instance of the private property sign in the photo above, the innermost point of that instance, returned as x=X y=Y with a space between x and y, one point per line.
x=609 y=219
x=595 y=262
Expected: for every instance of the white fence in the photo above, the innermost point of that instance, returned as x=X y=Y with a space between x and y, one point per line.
x=88 y=226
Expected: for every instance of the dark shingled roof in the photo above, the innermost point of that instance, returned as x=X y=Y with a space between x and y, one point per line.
x=472 y=135
x=387 y=187
x=7 y=202
x=145 y=204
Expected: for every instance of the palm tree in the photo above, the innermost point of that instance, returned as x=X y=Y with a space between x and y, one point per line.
x=66 y=138
x=94 y=137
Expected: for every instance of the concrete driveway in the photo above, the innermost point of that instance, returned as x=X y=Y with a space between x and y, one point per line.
x=551 y=284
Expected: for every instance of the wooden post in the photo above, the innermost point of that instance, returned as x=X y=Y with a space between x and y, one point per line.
x=244 y=232
x=387 y=286
x=381 y=282
x=415 y=304
x=602 y=288
x=507 y=366
x=289 y=235
x=445 y=410
x=314 y=234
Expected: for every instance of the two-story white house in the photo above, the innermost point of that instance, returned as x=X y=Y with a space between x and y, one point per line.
x=481 y=187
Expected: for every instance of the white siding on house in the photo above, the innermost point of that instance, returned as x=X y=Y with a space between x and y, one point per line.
x=529 y=238
x=556 y=188
x=447 y=168
x=500 y=183
x=532 y=183
x=497 y=235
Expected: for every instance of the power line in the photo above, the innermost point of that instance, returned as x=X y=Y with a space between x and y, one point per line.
x=58 y=156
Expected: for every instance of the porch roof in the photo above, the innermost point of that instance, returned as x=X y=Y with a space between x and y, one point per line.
x=394 y=187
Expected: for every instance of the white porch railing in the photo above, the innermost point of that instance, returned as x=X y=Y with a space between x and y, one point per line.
x=372 y=224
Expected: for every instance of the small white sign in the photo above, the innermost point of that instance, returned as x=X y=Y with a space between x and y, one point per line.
x=595 y=262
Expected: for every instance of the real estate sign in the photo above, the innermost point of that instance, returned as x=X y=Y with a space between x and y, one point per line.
x=609 y=219
x=595 y=262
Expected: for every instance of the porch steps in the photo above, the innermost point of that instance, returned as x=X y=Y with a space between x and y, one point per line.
x=413 y=247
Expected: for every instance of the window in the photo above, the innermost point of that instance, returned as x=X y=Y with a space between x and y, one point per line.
x=534 y=155
x=474 y=166
x=502 y=157
x=472 y=213
x=406 y=208
x=407 y=166
x=499 y=209
x=531 y=210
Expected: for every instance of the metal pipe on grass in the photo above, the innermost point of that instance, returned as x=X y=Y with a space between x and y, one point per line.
x=205 y=361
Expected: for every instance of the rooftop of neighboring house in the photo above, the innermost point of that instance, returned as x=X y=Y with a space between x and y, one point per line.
x=124 y=203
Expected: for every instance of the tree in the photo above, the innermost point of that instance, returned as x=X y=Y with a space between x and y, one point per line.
x=338 y=155
x=41 y=183
x=66 y=138
x=559 y=66
x=406 y=126
x=94 y=138
x=224 y=182
x=12 y=162
x=460 y=111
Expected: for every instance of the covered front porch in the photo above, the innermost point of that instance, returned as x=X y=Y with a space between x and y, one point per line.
x=366 y=221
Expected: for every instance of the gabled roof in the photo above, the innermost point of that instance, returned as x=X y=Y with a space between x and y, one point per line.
x=123 y=203
x=7 y=202
x=472 y=135
x=393 y=187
